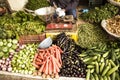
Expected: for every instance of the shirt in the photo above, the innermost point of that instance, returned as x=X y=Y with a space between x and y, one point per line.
x=65 y=4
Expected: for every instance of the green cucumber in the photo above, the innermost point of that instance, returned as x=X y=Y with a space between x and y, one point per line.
x=112 y=70
x=88 y=75
x=105 y=70
x=102 y=66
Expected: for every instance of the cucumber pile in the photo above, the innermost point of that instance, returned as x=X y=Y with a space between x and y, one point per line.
x=102 y=64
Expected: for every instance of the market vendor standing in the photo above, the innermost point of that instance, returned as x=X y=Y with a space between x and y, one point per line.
x=69 y=6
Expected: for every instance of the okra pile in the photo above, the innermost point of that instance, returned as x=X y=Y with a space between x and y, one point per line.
x=72 y=65
x=102 y=63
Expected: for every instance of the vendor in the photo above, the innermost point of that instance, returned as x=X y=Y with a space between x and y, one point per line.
x=69 y=6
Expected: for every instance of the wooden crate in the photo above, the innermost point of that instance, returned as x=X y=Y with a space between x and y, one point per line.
x=31 y=38
x=15 y=76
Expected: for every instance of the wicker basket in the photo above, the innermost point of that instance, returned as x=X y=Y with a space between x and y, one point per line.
x=103 y=24
x=114 y=2
x=31 y=38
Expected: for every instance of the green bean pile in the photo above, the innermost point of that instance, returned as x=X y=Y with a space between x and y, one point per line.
x=90 y=35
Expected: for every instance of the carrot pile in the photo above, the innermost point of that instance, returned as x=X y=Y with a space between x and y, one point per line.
x=48 y=61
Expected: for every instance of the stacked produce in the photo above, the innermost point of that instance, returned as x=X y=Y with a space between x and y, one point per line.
x=72 y=65
x=102 y=64
x=7 y=51
x=20 y=23
x=98 y=14
x=48 y=61
x=36 y=4
x=90 y=35
x=22 y=61
x=113 y=25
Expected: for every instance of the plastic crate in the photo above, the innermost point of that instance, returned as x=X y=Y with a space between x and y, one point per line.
x=31 y=38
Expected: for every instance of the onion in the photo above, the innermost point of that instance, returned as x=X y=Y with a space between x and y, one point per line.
x=3 y=61
x=11 y=56
x=22 y=46
x=17 y=50
x=9 y=69
x=0 y=61
x=7 y=59
x=7 y=63
x=10 y=63
x=4 y=69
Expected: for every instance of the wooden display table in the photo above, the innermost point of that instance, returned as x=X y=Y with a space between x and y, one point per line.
x=14 y=76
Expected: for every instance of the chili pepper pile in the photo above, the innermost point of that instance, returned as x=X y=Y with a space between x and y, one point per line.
x=72 y=66
x=48 y=61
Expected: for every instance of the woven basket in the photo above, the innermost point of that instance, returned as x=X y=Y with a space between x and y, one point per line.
x=114 y=2
x=31 y=38
x=103 y=24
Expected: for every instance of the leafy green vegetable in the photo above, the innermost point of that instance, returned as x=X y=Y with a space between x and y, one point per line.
x=36 y=4
x=99 y=13
x=20 y=23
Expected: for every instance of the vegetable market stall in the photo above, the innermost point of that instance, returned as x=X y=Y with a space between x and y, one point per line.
x=83 y=53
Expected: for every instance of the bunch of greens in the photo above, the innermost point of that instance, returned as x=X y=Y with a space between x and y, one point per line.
x=20 y=23
x=36 y=4
x=90 y=35
x=99 y=13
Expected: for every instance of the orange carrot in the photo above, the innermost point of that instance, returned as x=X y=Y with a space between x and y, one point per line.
x=38 y=59
x=42 y=67
x=46 y=67
x=50 y=67
x=57 y=54
x=47 y=52
x=59 y=58
x=53 y=63
x=56 y=75
x=38 y=63
x=35 y=65
x=40 y=56
x=56 y=47
x=51 y=50
x=57 y=63
x=35 y=57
